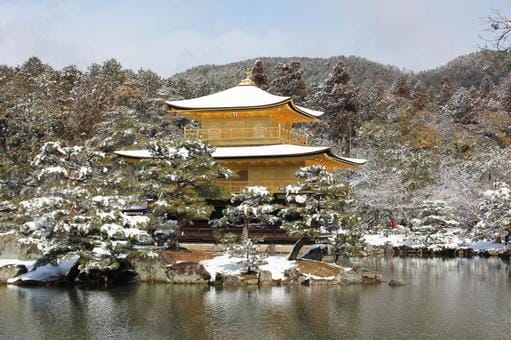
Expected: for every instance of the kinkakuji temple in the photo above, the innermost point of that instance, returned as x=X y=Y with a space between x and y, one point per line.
x=252 y=131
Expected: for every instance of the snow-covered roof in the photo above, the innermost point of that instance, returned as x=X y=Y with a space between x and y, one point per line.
x=278 y=150
x=239 y=97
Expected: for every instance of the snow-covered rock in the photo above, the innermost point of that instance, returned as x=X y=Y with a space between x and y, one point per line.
x=62 y=271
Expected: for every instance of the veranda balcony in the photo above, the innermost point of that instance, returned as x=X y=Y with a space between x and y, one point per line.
x=247 y=136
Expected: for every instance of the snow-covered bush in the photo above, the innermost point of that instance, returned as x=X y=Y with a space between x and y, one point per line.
x=436 y=224
x=253 y=203
x=495 y=215
x=318 y=204
x=247 y=250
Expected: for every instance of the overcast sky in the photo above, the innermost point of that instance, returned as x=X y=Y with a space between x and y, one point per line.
x=171 y=36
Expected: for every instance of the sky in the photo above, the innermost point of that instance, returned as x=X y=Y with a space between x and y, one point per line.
x=171 y=36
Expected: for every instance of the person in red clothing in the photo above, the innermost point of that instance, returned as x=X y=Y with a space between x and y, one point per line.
x=393 y=223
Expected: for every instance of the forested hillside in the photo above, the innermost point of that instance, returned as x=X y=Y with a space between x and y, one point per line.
x=442 y=135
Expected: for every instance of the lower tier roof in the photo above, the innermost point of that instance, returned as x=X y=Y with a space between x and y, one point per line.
x=261 y=151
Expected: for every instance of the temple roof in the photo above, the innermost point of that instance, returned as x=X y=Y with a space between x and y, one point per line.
x=239 y=97
x=279 y=150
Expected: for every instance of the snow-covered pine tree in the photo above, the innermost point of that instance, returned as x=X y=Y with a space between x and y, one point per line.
x=247 y=250
x=78 y=201
x=420 y=96
x=288 y=81
x=180 y=178
x=259 y=75
x=317 y=205
x=461 y=104
x=402 y=87
x=340 y=100
x=254 y=203
x=495 y=215
x=445 y=91
x=435 y=224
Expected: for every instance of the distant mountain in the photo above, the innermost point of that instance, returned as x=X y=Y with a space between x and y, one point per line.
x=315 y=70
x=470 y=69
x=466 y=71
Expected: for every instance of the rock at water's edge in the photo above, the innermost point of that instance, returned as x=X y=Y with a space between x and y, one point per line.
x=188 y=272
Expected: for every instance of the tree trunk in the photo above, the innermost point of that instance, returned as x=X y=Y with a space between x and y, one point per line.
x=296 y=248
x=246 y=224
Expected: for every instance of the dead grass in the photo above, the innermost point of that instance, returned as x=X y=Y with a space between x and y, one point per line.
x=317 y=268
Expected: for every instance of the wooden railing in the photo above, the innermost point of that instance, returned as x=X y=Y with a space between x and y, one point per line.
x=220 y=135
x=237 y=186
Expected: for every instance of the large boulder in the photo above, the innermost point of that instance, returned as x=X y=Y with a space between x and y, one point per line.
x=293 y=276
x=231 y=280
x=150 y=266
x=265 y=278
x=359 y=275
x=315 y=252
x=249 y=279
x=50 y=271
x=188 y=272
x=106 y=272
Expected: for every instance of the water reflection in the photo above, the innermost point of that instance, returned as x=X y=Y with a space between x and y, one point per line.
x=459 y=298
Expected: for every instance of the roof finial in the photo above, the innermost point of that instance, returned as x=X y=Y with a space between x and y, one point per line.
x=248 y=80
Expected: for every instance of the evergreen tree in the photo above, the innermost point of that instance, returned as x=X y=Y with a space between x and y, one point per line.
x=445 y=91
x=401 y=87
x=78 y=201
x=259 y=75
x=247 y=250
x=486 y=87
x=462 y=104
x=254 y=203
x=317 y=205
x=419 y=96
x=180 y=178
x=340 y=101
x=288 y=81
x=495 y=215
x=435 y=223
x=505 y=94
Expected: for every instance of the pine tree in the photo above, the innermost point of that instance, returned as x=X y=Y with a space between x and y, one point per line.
x=288 y=81
x=435 y=224
x=317 y=204
x=445 y=91
x=180 y=178
x=340 y=102
x=253 y=204
x=486 y=87
x=247 y=250
x=78 y=202
x=259 y=75
x=419 y=96
x=401 y=87
x=495 y=215
x=462 y=104
x=505 y=94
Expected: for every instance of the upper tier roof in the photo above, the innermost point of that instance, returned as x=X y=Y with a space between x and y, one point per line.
x=241 y=97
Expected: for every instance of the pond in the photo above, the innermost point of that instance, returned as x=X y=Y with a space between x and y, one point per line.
x=453 y=298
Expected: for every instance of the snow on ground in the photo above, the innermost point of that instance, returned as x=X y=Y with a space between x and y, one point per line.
x=277 y=265
x=486 y=246
x=7 y=262
x=446 y=241
x=229 y=265
x=380 y=239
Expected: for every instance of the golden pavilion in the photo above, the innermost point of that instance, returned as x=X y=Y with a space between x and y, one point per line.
x=252 y=131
